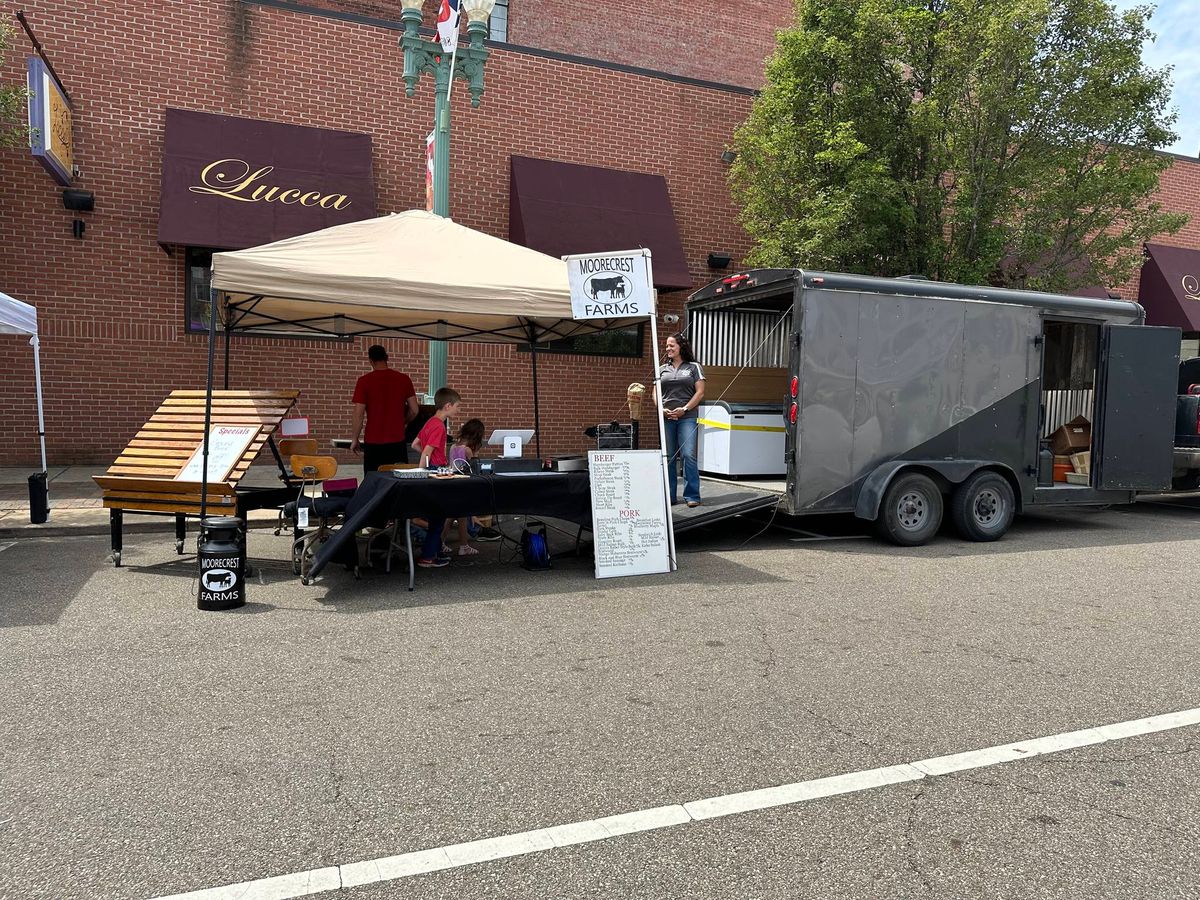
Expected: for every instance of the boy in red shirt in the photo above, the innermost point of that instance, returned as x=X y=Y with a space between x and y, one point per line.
x=432 y=444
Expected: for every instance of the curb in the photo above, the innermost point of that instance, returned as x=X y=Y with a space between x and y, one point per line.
x=88 y=529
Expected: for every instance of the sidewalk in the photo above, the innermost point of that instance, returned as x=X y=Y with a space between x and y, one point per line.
x=76 y=507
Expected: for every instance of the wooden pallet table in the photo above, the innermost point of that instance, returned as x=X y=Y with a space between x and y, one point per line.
x=143 y=478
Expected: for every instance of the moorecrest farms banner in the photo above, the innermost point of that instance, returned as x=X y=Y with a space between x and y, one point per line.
x=230 y=183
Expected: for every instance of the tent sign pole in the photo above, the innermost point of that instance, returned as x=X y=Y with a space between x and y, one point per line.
x=614 y=286
x=208 y=392
x=662 y=425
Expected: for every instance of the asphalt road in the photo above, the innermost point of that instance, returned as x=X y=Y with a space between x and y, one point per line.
x=148 y=749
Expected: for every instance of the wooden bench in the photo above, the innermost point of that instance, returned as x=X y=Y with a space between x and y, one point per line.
x=142 y=479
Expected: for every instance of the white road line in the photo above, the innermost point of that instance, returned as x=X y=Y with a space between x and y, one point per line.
x=5 y=546
x=280 y=887
x=389 y=868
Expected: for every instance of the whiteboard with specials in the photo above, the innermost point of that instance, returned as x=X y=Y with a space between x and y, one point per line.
x=629 y=512
x=226 y=444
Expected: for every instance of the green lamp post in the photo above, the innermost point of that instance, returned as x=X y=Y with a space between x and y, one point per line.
x=422 y=56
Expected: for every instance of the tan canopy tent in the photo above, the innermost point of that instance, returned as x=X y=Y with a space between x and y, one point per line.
x=410 y=274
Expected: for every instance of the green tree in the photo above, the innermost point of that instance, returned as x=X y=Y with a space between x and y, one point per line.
x=13 y=101
x=1009 y=142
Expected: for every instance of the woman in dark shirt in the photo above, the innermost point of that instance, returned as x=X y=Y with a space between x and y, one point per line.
x=682 y=382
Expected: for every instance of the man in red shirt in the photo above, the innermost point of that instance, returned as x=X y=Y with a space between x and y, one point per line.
x=387 y=399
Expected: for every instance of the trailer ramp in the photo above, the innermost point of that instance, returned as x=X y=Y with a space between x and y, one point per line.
x=723 y=499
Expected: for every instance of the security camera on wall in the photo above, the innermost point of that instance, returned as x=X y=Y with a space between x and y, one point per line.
x=671 y=319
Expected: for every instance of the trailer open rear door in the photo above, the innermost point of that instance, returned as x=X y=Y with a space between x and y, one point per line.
x=1137 y=408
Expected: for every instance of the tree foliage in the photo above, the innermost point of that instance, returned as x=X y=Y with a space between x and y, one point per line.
x=1008 y=142
x=13 y=101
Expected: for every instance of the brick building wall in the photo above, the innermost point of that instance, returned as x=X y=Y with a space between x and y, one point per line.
x=111 y=306
x=1178 y=190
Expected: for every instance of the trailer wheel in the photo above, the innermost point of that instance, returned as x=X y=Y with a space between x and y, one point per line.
x=911 y=512
x=983 y=507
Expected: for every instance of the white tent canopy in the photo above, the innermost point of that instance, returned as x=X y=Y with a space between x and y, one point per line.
x=21 y=318
x=410 y=274
x=16 y=317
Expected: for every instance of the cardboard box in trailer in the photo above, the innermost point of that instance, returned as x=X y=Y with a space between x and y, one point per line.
x=905 y=401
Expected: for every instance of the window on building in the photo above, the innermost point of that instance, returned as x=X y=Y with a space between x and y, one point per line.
x=625 y=342
x=498 y=25
x=1189 y=347
x=197 y=306
x=196 y=288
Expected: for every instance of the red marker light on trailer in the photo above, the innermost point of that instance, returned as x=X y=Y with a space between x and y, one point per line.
x=734 y=281
x=792 y=414
x=795 y=386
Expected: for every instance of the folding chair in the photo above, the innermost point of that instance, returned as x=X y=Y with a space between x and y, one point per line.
x=329 y=509
x=287 y=448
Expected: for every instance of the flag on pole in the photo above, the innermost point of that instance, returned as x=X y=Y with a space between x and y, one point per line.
x=447 y=25
x=429 y=144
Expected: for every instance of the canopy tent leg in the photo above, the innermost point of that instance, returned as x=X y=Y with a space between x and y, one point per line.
x=37 y=380
x=537 y=419
x=226 y=371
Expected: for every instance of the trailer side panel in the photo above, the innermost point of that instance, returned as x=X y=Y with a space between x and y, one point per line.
x=886 y=378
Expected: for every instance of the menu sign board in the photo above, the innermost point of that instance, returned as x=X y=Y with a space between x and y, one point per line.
x=226 y=444
x=629 y=513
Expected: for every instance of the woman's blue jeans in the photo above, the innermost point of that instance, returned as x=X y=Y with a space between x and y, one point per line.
x=681 y=447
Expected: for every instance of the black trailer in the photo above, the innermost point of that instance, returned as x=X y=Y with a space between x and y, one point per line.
x=907 y=400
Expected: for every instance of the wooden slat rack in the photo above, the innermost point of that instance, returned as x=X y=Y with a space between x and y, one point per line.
x=141 y=480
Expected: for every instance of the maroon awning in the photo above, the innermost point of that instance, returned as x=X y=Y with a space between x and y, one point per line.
x=562 y=208
x=1170 y=287
x=231 y=183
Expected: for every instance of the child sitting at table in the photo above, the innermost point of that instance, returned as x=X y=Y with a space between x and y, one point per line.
x=432 y=441
x=466 y=445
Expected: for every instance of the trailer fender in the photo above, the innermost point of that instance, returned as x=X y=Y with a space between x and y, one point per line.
x=945 y=472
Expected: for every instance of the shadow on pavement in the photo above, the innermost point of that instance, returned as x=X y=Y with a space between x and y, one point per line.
x=495 y=582
x=1053 y=530
x=32 y=593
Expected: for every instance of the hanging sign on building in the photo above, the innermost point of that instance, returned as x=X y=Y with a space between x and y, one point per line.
x=230 y=183
x=611 y=285
x=50 y=135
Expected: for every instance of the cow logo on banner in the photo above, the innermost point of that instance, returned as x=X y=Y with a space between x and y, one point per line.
x=610 y=285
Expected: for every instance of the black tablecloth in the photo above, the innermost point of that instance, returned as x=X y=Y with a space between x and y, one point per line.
x=382 y=497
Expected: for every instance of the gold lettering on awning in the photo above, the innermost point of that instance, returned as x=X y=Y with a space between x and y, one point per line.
x=235 y=179
x=1191 y=287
